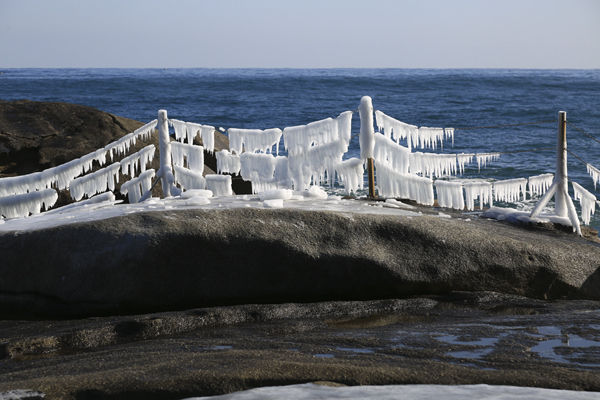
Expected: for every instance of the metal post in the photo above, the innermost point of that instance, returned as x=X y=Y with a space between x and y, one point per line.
x=371 y=174
x=165 y=171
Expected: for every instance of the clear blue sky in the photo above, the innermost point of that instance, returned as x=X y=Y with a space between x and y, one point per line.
x=300 y=33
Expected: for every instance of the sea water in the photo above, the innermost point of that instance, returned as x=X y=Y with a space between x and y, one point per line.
x=267 y=98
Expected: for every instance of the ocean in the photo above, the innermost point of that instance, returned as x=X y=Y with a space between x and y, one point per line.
x=266 y=98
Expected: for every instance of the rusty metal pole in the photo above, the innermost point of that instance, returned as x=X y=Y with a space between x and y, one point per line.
x=371 y=174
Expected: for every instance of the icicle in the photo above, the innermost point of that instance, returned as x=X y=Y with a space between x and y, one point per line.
x=344 y=121
x=21 y=205
x=208 y=138
x=137 y=187
x=450 y=194
x=393 y=184
x=429 y=137
x=394 y=155
x=143 y=157
x=510 y=190
x=594 y=173
x=463 y=159
x=539 y=184
x=192 y=154
x=484 y=158
x=299 y=139
x=432 y=164
x=474 y=190
x=392 y=128
x=180 y=129
x=281 y=177
x=96 y=182
x=220 y=185
x=259 y=169
x=317 y=164
x=351 y=172
x=145 y=132
x=587 y=201
x=191 y=131
x=227 y=163
x=252 y=140
x=189 y=179
x=449 y=134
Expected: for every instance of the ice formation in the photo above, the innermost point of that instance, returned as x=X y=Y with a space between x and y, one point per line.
x=350 y=173
x=463 y=159
x=192 y=154
x=392 y=184
x=283 y=194
x=122 y=145
x=207 y=133
x=587 y=201
x=220 y=185
x=227 y=163
x=394 y=155
x=300 y=139
x=450 y=194
x=188 y=179
x=594 y=173
x=392 y=128
x=429 y=137
x=253 y=140
x=539 y=184
x=21 y=205
x=142 y=157
x=96 y=182
x=367 y=142
x=432 y=164
x=510 y=190
x=484 y=158
x=137 y=187
x=106 y=197
x=180 y=129
x=474 y=190
x=259 y=168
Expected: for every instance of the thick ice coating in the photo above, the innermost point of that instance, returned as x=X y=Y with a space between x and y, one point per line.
x=413 y=187
x=587 y=201
x=392 y=128
x=97 y=182
x=367 y=141
x=539 y=184
x=594 y=173
x=21 y=205
x=510 y=190
x=207 y=133
x=142 y=158
x=432 y=164
x=394 y=155
x=180 y=129
x=123 y=145
x=350 y=173
x=137 y=187
x=475 y=190
x=188 y=179
x=253 y=140
x=462 y=159
x=220 y=185
x=227 y=163
x=450 y=194
x=484 y=158
x=192 y=154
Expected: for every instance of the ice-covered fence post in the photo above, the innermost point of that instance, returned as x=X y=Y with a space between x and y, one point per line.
x=563 y=205
x=165 y=171
x=367 y=140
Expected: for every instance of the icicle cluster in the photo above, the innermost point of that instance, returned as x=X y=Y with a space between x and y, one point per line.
x=220 y=185
x=429 y=137
x=130 y=163
x=96 y=182
x=594 y=173
x=475 y=190
x=350 y=173
x=253 y=140
x=587 y=201
x=484 y=158
x=433 y=164
x=392 y=154
x=227 y=163
x=509 y=190
x=265 y=171
x=180 y=128
x=539 y=184
x=188 y=179
x=393 y=184
x=123 y=145
x=21 y=205
x=300 y=139
x=450 y=194
x=392 y=128
x=207 y=133
x=463 y=159
x=137 y=187
x=190 y=153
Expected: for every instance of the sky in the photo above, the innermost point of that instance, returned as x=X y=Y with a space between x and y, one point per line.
x=300 y=33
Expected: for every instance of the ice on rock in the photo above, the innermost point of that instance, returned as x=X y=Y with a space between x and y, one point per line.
x=350 y=173
x=273 y=203
x=413 y=187
x=594 y=173
x=220 y=185
x=462 y=159
x=21 y=205
x=475 y=190
x=188 y=194
x=484 y=158
x=106 y=197
x=510 y=190
x=142 y=157
x=315 y=192
x=137 y=187
x=394 y=155
x=192 y=154
x=450 y=194
x=392 y=128
x=188 y=179
x=539 y=184
x=587 y=201
x=432 y=164
x=97 y=182
x=283 y=194
x=253 y=140
x=227 y=163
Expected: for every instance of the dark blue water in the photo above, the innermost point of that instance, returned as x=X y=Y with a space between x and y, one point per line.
x=265 y=98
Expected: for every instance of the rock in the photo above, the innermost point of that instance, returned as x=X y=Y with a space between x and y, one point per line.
x=20 y=394
x=180 y=259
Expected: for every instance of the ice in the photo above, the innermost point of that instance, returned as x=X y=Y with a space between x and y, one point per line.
x=587 y=201
x=315 y=192
x=259 y=168
x=475 y=190
x=106 y=197
x=510 y=190
x=394 y=155
x=413 y=187
x=366 y=139
x=463 y=159
x=450 y=194
x=392 y=128
x=97 y=182
x=180 y=128
x=137 y=187
x=316 y=165
x=301 y=138
x=273 y=203
x=539 y=184
x=432 y=164
x=21 y=205
x=192 y=154
x=253 y=140
x=220 y=185
x=484 y=158
x=207 y=133
x=188 y=194
x=594 y=173
x=143 y=157
x=283 y=194
x=122 y=145
x=227 y=162
x=429 y=137
x=350 y=173
x=449 y=134
x=188 y=179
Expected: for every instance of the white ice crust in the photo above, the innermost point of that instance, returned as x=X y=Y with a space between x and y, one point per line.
x=21 y=205
x=587 y=201
x=137 y=187
x=220 y=185
x=450 y=194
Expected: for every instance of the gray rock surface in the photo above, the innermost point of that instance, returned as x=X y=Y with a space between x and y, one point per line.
x=181 y=259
